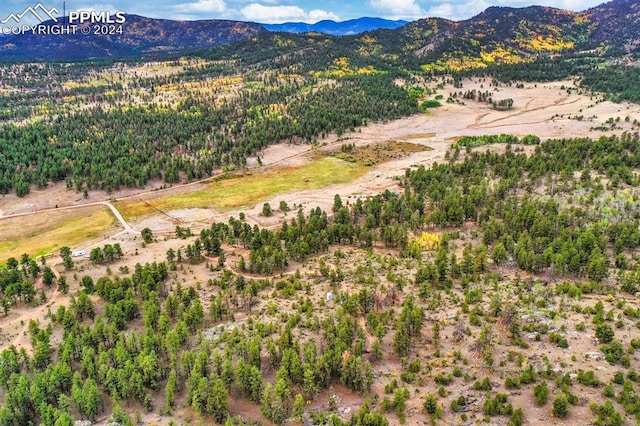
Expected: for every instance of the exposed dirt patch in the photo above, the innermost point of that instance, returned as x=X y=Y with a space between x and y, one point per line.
x=287 y=154
x=379 y=152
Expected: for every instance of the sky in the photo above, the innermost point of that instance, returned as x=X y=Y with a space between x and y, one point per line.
x=277 y=11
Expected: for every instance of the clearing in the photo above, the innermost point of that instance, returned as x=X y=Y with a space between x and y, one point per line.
x=245 y=191
x=42 y=233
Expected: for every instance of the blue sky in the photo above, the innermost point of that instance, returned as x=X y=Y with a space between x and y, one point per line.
x=276 y=11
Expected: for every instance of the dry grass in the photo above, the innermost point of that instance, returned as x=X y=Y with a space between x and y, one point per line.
x=250 y=189
x=381 y=152
x=39 y=234
x=419 y=136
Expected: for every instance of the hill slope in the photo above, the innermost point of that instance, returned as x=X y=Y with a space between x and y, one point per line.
x=616 y=24
x=499 y=35
x=496 y=36
x=505 y=35
x=140 y=37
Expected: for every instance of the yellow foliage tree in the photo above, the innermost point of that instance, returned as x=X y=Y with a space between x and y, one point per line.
x=426 y=241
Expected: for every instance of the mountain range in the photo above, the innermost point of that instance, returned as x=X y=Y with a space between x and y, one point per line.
x=350 y=27
x=497 y=35
x=140 y=37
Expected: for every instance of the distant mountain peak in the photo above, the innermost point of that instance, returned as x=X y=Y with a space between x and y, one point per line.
x=341 y=28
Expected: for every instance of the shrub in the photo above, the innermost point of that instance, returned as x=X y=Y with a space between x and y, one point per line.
x=588 y=378
x=512 y=382
x=431 y=404
x=431 y=103
x=613 y=352
x=604 y=333
x=485 y=385
x=459 y=404
x=618 y=378
x=607 y=415
x=559 y=340
x=497 y=406
x=517 y=418
x=441 y=379
x=541 y=393
x=561 y=406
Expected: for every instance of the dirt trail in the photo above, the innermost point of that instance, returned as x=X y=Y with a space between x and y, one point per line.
x=20 y=324
x=524 y=111
x=370 y=339
x=44 y=197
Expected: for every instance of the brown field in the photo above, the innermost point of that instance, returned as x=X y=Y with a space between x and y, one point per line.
x=246 y=191
x=42 y=233
x=379 y=152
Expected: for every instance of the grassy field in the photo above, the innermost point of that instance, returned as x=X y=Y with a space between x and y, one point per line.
x=43 y=233
x=250 y=189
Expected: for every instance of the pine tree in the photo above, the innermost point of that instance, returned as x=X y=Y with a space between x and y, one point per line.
x=218 y=401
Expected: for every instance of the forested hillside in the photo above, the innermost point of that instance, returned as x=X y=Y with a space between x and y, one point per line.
x=142 y=339
x=409 y=273
x=105 y=147
x=497 y=35
x=293 y=87
x=138 y=36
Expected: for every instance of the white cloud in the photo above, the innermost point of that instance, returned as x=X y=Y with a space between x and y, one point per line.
x=276 y=14
x=202 y=6
x=458 y=12
x=398 y=9
x=239 y=3
x=316 y=15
